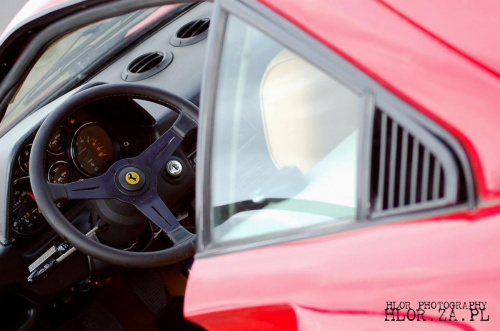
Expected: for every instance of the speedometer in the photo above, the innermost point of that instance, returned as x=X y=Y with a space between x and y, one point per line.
x=92 y=149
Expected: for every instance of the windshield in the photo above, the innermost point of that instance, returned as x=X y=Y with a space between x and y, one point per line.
x=70 y=60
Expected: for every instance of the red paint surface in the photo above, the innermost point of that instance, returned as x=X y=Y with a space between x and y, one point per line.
x=441 y=57
x=340 y=276
x=447 y=86
x=277 y=317
x=343 y=280
x=470 y=26
x=157 y=14
x=50 y=3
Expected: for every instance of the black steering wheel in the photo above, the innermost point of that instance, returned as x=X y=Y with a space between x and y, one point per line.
x=131 y=180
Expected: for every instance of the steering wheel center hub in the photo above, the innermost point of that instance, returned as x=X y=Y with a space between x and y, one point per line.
x=131 y=179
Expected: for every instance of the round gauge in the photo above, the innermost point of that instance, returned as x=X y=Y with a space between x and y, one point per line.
x=92 y=150
x=27 y=217
x=57 y=142
x=59 y=173
x=24 y=158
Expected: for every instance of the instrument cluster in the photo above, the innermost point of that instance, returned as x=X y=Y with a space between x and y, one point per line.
x=84 y=145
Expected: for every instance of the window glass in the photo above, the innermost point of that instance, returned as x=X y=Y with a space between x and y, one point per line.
x=284 y=151
x=69 y=60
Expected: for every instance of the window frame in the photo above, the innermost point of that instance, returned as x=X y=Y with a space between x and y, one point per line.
x=372 y=94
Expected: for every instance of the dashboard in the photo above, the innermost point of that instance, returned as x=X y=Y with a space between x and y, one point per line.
x=84 y=145
x=69 y=156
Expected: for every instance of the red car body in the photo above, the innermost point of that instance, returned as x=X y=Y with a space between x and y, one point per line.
x=440 y=57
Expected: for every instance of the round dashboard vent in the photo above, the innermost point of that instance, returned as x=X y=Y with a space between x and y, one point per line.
x=146 y=65
x=191 y=32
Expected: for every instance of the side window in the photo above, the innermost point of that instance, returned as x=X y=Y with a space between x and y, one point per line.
x=284 y=152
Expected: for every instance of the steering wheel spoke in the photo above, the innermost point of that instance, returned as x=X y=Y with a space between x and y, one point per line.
x=58 y=192
x=91 y=188
x=179 y=235
x=158 y=153
x=155 y=209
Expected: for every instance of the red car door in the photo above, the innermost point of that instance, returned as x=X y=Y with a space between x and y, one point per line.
x=327 y=200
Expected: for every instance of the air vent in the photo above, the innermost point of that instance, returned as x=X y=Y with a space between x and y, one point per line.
x=191 y=32
x=409 y=173
x=146 y=65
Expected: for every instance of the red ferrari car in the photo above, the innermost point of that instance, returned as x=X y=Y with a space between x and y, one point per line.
x=250 y=164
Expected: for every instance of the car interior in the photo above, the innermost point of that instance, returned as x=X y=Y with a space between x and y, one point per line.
x=106 y=157
x=47 y=284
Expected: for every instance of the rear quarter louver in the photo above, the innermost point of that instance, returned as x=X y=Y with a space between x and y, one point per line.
x=411 y=169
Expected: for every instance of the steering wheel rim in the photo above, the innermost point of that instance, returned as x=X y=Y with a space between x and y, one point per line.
x=47 y=194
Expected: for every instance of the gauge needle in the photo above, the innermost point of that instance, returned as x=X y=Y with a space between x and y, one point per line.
x=85 y=158
x=20 y=210
x=33 y=197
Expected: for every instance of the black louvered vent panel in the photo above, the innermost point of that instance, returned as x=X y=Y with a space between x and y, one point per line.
x=406 y=174
x=145 y=62
x=193 y=28
x=191 y=33
x=147 y=65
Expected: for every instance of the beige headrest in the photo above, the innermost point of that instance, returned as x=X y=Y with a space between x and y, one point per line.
x=305 y=112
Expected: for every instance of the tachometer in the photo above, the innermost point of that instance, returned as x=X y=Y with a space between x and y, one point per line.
x=27 y=217
x=92 y=149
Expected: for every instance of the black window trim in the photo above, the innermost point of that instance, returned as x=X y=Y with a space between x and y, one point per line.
x=373 y=95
